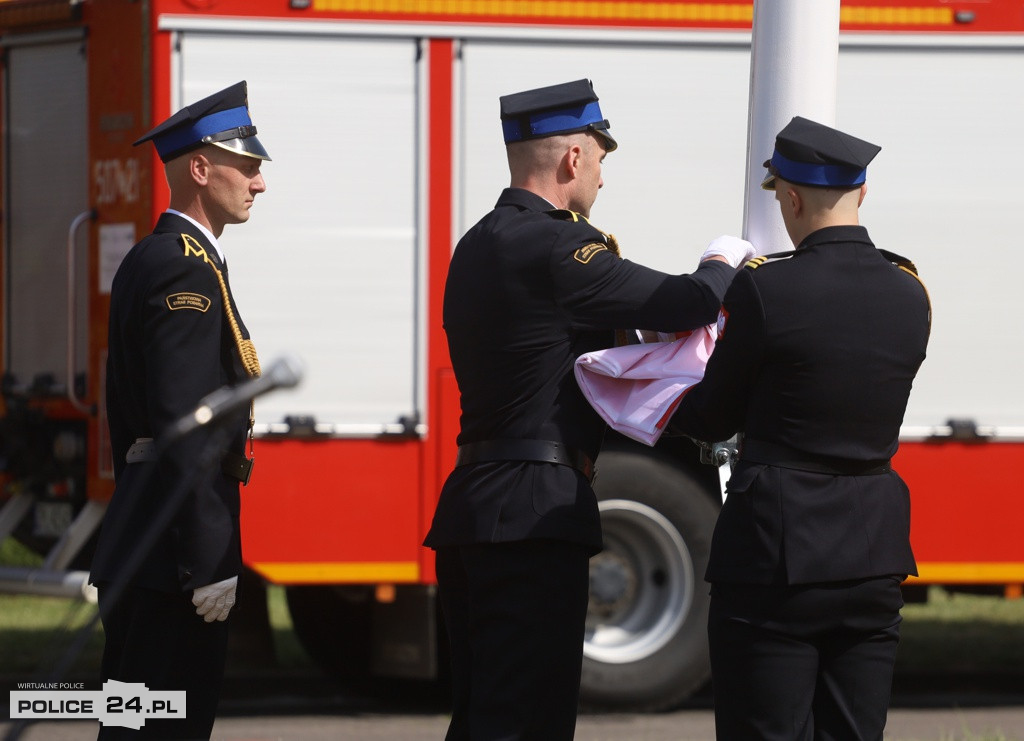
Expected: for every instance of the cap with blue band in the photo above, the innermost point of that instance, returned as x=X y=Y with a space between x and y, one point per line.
x=552 y=122
x=810 y=153
x=834 y=176
x=221 y=119
x=215 y=123
x=557 y=109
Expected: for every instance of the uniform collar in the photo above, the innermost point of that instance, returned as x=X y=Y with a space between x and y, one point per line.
x=174 y=222
x=524 y=199
x=205 y=232
x=833 y=234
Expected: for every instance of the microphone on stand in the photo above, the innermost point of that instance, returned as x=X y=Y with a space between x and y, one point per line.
x=284 y=372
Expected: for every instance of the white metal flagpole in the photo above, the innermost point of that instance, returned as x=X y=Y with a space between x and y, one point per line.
x=794 y=62
x=794 y=65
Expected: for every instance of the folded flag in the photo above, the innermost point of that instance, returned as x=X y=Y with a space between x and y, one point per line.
x=636 y=388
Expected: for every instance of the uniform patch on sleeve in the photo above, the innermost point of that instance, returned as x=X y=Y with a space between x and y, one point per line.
x=585 y=253
x=186 y=300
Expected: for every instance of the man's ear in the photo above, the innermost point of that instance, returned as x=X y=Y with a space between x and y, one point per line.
x=863 y=194
x=573 y=158
x=199 y=169
x=796 y=201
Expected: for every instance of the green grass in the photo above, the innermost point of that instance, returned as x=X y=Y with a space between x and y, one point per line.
x=951 y=634
x=288 y=653
x=13 y=553
x=966 y=734
x=36 y=631
x=962 y=633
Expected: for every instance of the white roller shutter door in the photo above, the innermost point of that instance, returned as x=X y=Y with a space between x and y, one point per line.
x=326 y=267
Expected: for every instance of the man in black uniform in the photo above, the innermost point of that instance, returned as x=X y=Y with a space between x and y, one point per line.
x=175 y=336
x=814 y=367
x=531 y=287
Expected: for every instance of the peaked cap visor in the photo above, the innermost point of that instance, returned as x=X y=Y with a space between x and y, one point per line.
x=221 y=119
x=248 y=146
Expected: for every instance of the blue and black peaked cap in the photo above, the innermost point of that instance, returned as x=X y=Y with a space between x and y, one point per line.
x=810 y=153
x=221 y=119
x=565 y=108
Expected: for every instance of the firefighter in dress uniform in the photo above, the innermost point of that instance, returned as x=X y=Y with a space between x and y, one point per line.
x=532 y=286
x=175 y=335
x=814 y=368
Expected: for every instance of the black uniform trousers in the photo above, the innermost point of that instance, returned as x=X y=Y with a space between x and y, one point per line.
x=157 y=639
x=803 y=663
x=516 y=615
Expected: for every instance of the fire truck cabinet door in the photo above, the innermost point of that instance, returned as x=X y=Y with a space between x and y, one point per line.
x=46 y=187
x=327 y=266
x=946 y=192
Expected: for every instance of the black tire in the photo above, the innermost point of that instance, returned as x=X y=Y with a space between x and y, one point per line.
x=646 y=640
x=334 y=625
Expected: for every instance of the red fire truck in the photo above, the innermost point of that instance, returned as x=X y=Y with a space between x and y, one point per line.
x=381 y=117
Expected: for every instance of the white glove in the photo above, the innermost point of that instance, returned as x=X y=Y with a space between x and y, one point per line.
x=737 y=251
x=214 y=601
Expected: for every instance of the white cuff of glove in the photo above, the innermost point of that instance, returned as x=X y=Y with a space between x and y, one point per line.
x=214 y=601
x=737 y=251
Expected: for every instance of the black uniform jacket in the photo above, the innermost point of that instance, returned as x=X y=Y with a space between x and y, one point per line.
x=818 y=355
x=170 y=344
x=529 y=290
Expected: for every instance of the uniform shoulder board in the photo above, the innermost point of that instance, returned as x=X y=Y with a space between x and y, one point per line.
x=908 y=267
x=756 y=262
x=565 y=214
x=899 y=261
x=194 y=249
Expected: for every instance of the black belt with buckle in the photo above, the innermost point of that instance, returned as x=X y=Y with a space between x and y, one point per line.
x=540 y=451
x=232 y=465
x=772 y=454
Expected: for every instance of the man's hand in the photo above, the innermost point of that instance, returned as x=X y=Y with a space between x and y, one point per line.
x=732 y=250
x=214 y=601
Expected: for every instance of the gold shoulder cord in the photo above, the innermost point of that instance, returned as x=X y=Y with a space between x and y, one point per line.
x=246 y=348
x=621 y=335
x=907 y=266
x=911 y=269
x=567 y=215
x=613 y=243
x=610 y=240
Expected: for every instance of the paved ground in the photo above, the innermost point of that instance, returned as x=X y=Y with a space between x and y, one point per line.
x=304 y=709
x=304 y=706
x=905 y=724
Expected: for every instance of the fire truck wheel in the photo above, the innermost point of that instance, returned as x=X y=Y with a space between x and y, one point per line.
x=332 y=623
x=646 y=641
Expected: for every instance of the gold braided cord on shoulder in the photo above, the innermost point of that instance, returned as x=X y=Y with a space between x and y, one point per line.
x=613 y=243
x=907 y=266
x=246 y=348
x=927 y=297
x=609 y=239
x=568 y=215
